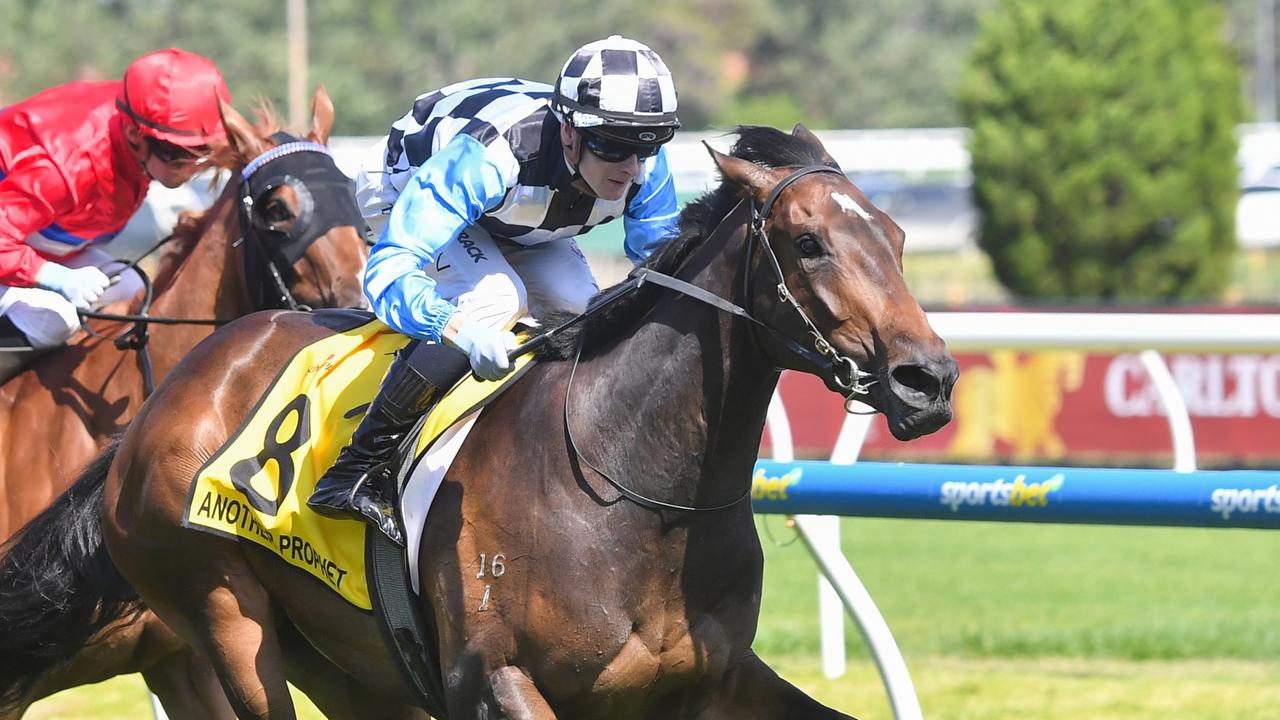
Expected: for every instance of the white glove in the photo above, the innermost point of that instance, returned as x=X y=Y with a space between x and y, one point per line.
x=487 y=348
x=81 y=286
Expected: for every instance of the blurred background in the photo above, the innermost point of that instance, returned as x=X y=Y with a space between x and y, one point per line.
x=1079 y=155
x=1051 y=155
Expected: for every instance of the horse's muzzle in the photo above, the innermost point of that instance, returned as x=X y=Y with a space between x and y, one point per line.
x=915 y=396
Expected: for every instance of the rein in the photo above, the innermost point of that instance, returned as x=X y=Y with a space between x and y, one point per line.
x=822 y=355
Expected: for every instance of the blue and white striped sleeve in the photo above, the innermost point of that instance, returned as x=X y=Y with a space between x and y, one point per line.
x=448 y=193
x=652 y=214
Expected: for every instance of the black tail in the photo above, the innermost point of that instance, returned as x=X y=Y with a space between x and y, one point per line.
x=58 y=587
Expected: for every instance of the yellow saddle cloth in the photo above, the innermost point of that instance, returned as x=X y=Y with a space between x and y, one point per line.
x=256 y=486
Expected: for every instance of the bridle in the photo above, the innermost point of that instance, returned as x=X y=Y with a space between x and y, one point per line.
x=271 y=170
x=843 y=370
x=821 y=354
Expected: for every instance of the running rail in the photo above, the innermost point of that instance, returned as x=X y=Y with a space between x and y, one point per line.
x=1007 y=493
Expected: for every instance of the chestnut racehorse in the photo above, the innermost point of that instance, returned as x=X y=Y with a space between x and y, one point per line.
x=613 y=478
x=56 y=415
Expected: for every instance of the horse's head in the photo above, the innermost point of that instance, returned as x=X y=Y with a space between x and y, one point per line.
x=840 y=258
x=303 y=234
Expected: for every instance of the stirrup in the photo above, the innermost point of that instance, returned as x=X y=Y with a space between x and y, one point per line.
x=365 y=501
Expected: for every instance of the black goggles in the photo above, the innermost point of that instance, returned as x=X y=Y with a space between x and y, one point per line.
x=614 y=151
x=167 y=152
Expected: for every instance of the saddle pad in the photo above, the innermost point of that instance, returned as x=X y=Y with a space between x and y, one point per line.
x=256 y=486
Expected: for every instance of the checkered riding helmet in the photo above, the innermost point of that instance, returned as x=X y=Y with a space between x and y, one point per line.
x=620 y=89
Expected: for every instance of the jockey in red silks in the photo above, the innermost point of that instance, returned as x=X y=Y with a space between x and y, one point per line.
x=76 y=161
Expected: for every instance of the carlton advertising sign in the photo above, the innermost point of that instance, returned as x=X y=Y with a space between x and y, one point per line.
x=1046 y=407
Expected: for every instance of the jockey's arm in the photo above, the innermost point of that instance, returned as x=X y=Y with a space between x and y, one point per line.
x=652 y=214
x=448 y=193
x=32 y=196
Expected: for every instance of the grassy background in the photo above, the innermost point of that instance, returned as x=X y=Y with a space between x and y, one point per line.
x=1008 y=621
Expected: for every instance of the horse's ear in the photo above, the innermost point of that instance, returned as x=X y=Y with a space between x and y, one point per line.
x=744 y=173
x=806 y=135
x=321 y=117
x=241 y=136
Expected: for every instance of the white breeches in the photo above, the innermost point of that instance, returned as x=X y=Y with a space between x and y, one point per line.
x=501 y=282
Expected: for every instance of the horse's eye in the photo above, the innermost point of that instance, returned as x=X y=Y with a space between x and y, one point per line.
x=809 y=246
x=276 y=211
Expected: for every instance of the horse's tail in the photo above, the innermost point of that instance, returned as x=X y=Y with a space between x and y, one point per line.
x=58 y=587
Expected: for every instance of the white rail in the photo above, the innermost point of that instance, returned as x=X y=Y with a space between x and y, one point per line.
x=1114 y=332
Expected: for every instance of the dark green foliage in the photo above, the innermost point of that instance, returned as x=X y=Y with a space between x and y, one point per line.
x=1103 y=147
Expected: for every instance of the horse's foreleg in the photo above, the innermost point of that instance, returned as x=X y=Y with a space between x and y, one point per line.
x=510 y=694
x=232 y=622
x=752 y=690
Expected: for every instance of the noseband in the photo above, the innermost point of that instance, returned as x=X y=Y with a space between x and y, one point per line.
x=292 y=163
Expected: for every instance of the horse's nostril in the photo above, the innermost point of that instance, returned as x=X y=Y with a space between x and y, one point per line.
x=917 y=378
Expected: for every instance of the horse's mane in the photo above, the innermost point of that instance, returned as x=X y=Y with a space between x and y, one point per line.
x=761 y=145
x=178 y=247
x=227 y=157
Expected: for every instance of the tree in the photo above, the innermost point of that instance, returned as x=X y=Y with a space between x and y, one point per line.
x=1103 y=147
x=871 y=64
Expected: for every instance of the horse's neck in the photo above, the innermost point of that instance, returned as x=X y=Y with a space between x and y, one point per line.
x=685 y=396
x=208 y=283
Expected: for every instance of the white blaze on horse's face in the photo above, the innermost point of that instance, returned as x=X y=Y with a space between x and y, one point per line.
x=848 y=204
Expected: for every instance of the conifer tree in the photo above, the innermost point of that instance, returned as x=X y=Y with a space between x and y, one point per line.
x=1103 y=147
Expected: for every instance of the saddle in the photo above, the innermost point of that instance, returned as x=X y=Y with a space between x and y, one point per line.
x=255 y=486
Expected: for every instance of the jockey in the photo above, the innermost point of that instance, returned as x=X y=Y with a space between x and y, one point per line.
x=76 y=161
x=479 y=192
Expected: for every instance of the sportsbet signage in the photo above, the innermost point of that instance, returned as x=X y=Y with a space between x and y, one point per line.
x=1026 y=494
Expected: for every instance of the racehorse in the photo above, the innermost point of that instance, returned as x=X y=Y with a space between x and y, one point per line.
x=613 y=478
x=57 y=414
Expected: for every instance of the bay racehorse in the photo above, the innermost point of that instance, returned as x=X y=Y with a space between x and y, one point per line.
x=56 y=415
x=613 y=478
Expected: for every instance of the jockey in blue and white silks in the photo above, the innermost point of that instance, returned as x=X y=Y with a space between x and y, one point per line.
x=477 y=195
x=478 y=170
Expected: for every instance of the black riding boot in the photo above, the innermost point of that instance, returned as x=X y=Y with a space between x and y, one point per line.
x=354 y=487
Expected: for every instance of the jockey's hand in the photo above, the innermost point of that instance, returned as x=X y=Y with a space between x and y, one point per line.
x=487 y=348
x=81 y=286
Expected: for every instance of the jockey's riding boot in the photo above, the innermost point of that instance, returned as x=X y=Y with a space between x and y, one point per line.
x=356 y=486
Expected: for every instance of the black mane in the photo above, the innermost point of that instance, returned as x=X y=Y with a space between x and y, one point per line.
x=762 y=145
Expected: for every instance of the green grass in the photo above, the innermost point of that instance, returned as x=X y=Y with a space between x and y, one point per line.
x=948 y=689
x=999 y=621
x=1021 y=590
